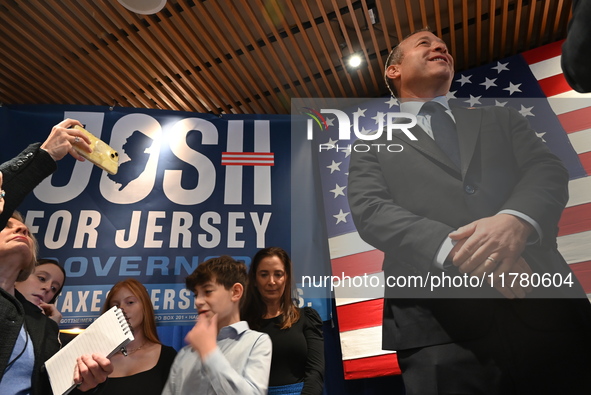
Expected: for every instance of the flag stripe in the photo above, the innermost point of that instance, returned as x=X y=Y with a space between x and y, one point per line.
x=569 y=101
x=383 y=365
x=586 y=162
x=581 y=141
x=575 y=219
x=577 y=120
x=575 y=248
x=361 y=288
x=542 y=53
x=554 y=85
x=358 y=264
x=360 y=315
x=546 y=68
x=349 y=301
x=583 y=272
x=362 y=343
x=347 y=244
x=579 y=191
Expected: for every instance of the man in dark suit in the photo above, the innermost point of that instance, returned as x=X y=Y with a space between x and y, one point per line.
x=480 y=199
x=576 y=54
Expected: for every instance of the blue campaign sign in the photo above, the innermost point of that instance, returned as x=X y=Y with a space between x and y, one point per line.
x=189 y=187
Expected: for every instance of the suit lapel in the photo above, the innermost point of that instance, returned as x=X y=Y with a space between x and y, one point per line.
x=427 y=146
x=468 y=123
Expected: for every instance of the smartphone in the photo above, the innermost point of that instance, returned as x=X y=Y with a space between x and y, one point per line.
x=102 y=154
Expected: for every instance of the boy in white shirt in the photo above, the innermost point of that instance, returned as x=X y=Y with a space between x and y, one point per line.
x=223 y=356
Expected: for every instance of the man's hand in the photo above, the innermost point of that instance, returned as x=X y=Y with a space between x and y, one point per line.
x=61 y=139
x=203 y=336
x=489 y=242
x=51 y=312
x=91 y=371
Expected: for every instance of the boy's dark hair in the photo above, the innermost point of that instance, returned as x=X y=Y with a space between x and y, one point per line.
x=223 y=270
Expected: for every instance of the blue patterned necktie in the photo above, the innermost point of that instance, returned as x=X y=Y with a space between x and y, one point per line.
x=444 y=130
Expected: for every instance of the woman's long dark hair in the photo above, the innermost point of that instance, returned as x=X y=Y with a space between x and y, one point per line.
x=254 y=307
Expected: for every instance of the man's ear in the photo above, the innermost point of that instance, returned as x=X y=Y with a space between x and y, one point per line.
x=237 y=291
x=393 y=71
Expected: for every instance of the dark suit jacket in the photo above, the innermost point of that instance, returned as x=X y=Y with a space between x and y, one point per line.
x=44 y=334
x=576 y=56
x=406 y=204
x=42 y=330
x=21 y=175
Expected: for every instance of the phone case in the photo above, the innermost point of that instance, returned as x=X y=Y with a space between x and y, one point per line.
x=102 y=154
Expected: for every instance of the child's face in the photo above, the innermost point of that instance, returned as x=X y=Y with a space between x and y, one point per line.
x=131 y=306
x=43 y=284
x=212 y=298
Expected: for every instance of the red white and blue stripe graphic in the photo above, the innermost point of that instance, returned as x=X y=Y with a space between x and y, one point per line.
x=248 y=159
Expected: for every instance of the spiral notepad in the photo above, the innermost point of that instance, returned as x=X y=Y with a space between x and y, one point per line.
x=106 y=335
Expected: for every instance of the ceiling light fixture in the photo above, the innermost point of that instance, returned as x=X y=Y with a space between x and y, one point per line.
x=144 y=7
x=354 y=61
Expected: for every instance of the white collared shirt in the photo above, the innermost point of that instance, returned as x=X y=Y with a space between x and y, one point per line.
x=424 y=121
x=239 y=365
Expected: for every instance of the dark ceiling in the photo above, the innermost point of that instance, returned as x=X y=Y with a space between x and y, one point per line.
x=242 y=56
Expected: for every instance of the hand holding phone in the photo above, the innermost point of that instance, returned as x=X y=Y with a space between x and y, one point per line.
x=102 y=154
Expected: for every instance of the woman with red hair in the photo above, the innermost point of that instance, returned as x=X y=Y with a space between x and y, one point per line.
x=143 y=368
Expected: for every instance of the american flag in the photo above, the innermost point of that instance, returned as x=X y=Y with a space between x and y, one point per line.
x=533 y=84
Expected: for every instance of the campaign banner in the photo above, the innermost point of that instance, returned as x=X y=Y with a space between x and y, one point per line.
x=189 y=187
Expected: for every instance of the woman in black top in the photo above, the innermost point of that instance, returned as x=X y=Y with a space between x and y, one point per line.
x=297 y=365
x=144 y=367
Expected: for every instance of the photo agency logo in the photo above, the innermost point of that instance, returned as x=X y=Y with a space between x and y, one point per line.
x=353 y=137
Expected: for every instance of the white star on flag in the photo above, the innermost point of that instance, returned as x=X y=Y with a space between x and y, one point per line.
x=392 y=102
x=473 y=100
x=488 y=83
x=500 y=67
x=329 y=122
x=379 y=117
x=451 y=95
x=525 y=111
x=338 y=190
x=500 y=103
x=359 y=112
x=341 y=216
x=331 y=142
x=334 y=166
x=512 y=88
x=464 y=79
x=347 y=151
x=365 y=131
x=541 y=135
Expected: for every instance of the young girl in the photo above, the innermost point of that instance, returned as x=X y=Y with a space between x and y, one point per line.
x=145 y=368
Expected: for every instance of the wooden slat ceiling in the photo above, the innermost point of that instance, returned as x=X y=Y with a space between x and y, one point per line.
x=242 y=56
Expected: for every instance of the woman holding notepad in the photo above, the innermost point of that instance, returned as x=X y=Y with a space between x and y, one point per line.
x=27 y=337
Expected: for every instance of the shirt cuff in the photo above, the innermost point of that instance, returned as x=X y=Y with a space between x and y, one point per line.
x=442 y=253
x=534 y=237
